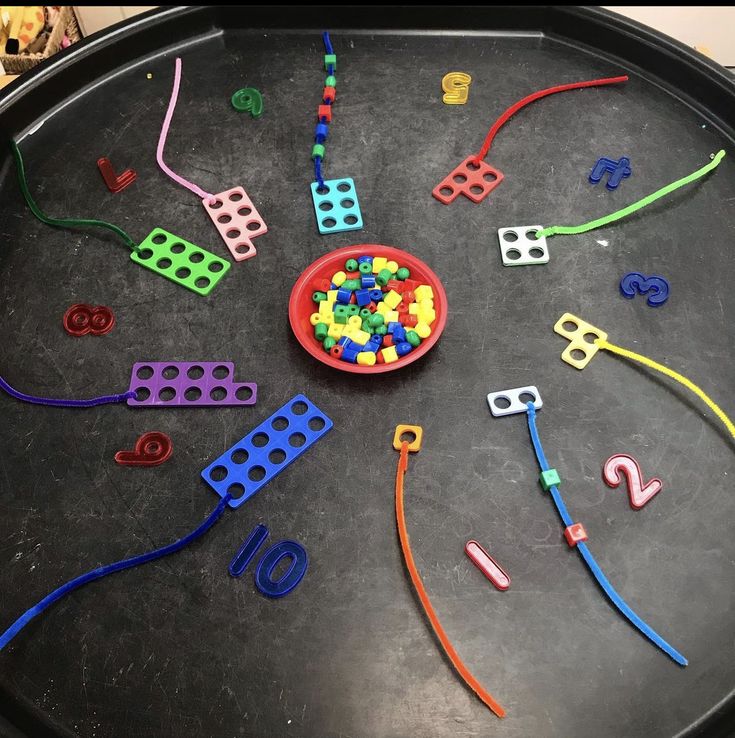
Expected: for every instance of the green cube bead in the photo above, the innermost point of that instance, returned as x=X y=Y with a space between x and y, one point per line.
x=549 y=479
x=317 y=151
x=330 y=81
x=341 y=313
x=351 y=265
x=381 y=330
x=366 y=267
x=375 y=320
x=330 y=59
x=320 y=331
x=319 y=296
x=403 y=273
x=384 y=276
x=413 y=338
x=353 y=309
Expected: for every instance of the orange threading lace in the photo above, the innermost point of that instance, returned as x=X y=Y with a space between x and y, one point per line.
x=453 y=656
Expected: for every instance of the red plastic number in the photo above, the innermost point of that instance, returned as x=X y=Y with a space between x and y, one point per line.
x=151 y=449
x=79 y=320
x=638 y=492
x=473 y=180
x=114 y=182
x=487 y=565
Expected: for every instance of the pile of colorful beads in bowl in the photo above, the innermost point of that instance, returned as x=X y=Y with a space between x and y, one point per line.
x=371 y=308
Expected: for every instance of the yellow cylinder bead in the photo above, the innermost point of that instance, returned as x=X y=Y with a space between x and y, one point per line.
x=354 y=321
x=423 y=329
x=338 y=278
x=392 y=266
x=366 y=358
x=315 y=318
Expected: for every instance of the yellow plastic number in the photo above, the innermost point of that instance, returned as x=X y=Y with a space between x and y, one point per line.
x=456 y=86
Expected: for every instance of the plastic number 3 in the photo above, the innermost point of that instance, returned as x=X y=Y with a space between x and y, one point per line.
x=456 y=86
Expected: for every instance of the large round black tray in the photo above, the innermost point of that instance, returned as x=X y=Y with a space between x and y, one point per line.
x=178 y=648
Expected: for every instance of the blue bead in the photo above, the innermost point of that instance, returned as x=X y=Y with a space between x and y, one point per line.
x=351 y=356
x=392 y=326
x=344 y=341
x=361 y=259
x=356 y=347
x=343 y=296
x=376 y=295
x=399 y=334
x=363 y=297
x=377 y=339
x=321 y=132
x=368 y=281
x=403 y=348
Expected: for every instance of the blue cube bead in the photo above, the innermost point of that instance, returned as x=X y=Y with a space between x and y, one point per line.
x=376 y=295
x=321 y=132
x=399 y=334
x=363 y=297
x=392 y=326
x=343 y=296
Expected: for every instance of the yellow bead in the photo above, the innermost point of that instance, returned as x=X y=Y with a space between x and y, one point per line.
x=361 y=337
x=391 y=299
x=392 y=266
x=382 y=308
x=379 y=263
x=335 y=330
x=366 y=358
x=391 y=316
x=315 y=318
x=427 y=316
x=354 y=321
x=327 y=319
x=338 y=278
x=428 y=303
x=389 y=354
x=325 y=309
x=424 y=292
x=332 y=295
x=423 y=330
x=413 y=308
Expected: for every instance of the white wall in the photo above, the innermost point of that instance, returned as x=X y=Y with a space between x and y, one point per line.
x=95 y=17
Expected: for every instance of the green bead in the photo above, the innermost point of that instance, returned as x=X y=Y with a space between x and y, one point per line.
x=549 y=478
x=366 y=267
x=317 y=151
x=353 y=309
x=367 y=327
x=381 y=330
x=376 y=319
x=365 y=313
x=330 y=59
x=352 y=284
x=319 y=296
x=330 y=81
x=321 y=331
x=384 y=276
x=328 y=342
x=351 y=265
x=403 y=273
x=413 y=338
x=341 y=313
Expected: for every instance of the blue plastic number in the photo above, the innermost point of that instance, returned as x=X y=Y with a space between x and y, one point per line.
x=617 y=170
x=293 y=575
x=267 y=450
x=336 y=206
x=635 y=283
x=248 y=550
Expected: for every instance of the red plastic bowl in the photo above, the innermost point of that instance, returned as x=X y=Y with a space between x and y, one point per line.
x=301 y=306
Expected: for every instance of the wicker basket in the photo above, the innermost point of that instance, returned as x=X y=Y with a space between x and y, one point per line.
x=18 y=63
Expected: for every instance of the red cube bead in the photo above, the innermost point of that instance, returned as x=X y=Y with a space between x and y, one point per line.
x=387 y=340
x=411 y=284
x=394 y=284
x=372 y=307
x=330 y=93
x=411 y=321
x=379 y=358
x=325 y=112
x=409 y=296
x=401 y=308
x=575 y=533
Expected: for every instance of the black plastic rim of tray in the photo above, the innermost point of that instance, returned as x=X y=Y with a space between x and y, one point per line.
x=688 y=75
